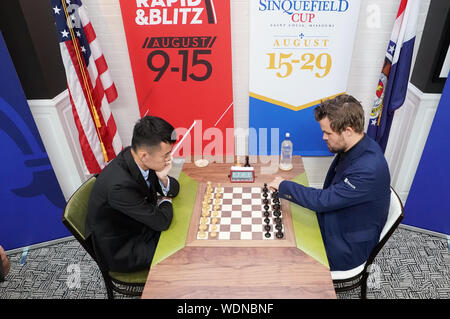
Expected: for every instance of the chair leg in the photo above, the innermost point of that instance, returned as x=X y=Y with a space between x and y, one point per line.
x=108 y=286
x=364 y=286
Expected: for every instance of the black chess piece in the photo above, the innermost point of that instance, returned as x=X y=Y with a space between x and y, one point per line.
x=267 y=227
x=276 y=201
x=267 y=235
x=266 y=213
x=265 y=201
x=278 y=227
x=275 y=195
x=276 y=213
x=265 y=195
x=276 y=206
x=247 y=161
x=266 y=207
x=279 y=235
x=277 y=220
x=267 y=220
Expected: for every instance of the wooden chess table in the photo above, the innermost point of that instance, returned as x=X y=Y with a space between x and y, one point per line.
x=238 y=261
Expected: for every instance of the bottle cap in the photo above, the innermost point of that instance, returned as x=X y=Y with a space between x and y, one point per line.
x=288 y=135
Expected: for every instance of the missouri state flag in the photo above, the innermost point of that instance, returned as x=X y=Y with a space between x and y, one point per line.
x=393 y=81
x=91 y=88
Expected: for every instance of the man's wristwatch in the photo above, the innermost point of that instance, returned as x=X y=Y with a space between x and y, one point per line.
x=162 y=199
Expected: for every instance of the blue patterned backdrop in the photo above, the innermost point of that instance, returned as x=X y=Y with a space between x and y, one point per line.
x=428 y=202
x=31 y=201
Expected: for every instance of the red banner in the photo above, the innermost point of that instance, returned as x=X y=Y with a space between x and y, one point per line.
x=180 y=52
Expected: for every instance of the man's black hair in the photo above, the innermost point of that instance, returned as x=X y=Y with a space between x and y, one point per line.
x=150 y=131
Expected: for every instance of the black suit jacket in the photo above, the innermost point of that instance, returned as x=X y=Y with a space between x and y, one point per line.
x=124 y=221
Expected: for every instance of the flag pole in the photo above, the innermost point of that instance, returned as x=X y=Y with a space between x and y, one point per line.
x=85 y=81
x=381 y=111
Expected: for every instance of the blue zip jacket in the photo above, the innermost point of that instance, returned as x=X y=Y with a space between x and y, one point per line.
x=353 y=205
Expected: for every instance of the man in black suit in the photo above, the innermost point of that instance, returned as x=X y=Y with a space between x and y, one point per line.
x=130 y=203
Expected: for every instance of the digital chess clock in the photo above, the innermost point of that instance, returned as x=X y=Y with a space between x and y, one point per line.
x=240 y=174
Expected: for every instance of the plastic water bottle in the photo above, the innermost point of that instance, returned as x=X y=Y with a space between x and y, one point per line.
x=286 y=154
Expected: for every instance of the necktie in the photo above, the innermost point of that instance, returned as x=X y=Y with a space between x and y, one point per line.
x=148 y=180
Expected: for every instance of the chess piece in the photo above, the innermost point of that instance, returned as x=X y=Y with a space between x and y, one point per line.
x=267 y=228
x=279 y=235
x=213 y=234
x=201 y=234
x=247 y=161
x=268 y=235
x=238 y=161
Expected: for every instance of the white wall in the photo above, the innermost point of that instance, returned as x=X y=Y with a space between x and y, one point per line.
x=371 y=42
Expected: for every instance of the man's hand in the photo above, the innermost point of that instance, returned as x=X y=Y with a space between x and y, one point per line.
x=275 y=184
x=162 y=174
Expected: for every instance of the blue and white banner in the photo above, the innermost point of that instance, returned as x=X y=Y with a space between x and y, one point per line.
x=31 y=199
x=300 y=54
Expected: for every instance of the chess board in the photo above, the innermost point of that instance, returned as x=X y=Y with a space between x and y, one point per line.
x=239 y=218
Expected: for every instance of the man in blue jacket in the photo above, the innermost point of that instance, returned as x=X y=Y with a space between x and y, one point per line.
x=353 y=205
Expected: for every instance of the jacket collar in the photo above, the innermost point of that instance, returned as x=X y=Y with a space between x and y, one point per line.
x=356 y=151
x=133 y=167
x=136 y=172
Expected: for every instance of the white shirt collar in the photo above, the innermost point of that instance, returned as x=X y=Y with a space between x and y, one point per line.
x=144 y=173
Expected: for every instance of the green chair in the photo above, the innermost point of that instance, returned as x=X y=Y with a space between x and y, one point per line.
x=74 y=218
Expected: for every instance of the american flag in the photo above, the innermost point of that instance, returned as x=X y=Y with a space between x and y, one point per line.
x=91 y=88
